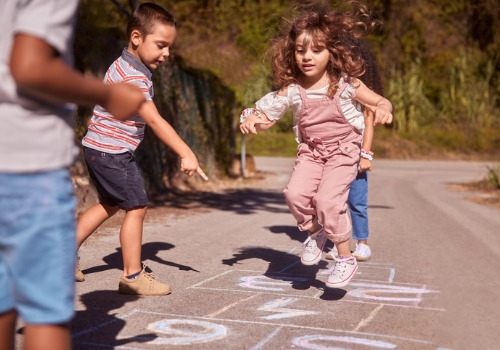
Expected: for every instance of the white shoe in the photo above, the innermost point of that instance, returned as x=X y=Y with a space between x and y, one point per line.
x=362 y=252
x=313 y=248
x=332 y=253
x=343 y=272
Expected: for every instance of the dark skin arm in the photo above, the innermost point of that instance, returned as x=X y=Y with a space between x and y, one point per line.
x=38 y=69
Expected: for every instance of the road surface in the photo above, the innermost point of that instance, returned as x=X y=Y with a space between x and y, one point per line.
x=232 y=259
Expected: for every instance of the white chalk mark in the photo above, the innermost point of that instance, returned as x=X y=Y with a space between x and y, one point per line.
x=211 y=278
x=278 y=306
x=194 y=331
x=392 y=273
x=314 y=297
x=92 y=345
x=307 y=342
x=374 y=292
x=224 y=309
x=319 y=293
x=104 y=324
x=419 y=298
x=365 y=321
x=289 y=266
x=286 y=325
x=264 y=341
x=269 y=284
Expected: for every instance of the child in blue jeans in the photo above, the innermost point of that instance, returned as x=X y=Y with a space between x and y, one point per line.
x=37 y=206
x=358 y=195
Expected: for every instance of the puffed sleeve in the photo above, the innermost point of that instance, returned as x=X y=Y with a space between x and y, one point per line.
x=273 y=105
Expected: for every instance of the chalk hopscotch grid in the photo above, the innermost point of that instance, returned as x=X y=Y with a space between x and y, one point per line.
x=357 y=283
x=278 y=327
x=335 y=334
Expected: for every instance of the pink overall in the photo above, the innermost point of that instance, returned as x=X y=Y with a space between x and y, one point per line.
x=327 y=163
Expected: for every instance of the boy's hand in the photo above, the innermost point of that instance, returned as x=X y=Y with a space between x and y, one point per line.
x=252 y=122
x=124 y=100
x=190 y=166
x=364 y=165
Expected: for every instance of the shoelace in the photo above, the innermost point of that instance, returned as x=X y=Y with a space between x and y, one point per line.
x=310 y=245
x=148 y=274
x=341 y=266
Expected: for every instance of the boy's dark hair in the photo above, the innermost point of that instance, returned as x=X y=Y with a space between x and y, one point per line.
x=146 y=16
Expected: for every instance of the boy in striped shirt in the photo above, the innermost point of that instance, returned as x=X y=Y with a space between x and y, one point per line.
x=109 y=147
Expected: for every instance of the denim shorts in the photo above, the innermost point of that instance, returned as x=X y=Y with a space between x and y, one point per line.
x=37 y=246
x=116 y=178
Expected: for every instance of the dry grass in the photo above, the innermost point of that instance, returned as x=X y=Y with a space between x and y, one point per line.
x=479 y=192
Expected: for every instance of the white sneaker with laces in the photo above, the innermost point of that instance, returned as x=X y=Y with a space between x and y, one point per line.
x=362 y=252
x=313 y=248
x=332 y=253
x=343 y=272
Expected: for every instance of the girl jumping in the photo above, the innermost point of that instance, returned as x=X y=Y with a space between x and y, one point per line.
x=316 y=71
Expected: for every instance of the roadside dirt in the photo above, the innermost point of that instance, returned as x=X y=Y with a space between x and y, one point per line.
x=479 y=192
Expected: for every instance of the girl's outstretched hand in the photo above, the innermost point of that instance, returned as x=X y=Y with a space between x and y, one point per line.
x=254 y=122
x=381 y=116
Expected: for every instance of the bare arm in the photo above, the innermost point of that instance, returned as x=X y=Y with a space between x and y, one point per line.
x=380 y=106
x=261 y=122
x=167 y=134
x=365 y=164
x=37 y=68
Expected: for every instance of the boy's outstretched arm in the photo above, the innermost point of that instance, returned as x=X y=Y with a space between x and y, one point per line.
x=38 y=69
x=167 y=134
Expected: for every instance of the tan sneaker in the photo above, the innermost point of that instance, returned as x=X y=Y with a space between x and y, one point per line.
x=144 y=284
x=79 y=276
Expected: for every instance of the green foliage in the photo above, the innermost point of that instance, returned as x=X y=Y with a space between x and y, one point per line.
x=269 y=144
x=493 y=176
x=470 y=96
x=440 y=60
x=411 y=107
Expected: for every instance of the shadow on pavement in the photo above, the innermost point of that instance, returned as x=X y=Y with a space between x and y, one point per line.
x=282 y=266
x=150 y=252
x=97 y=327
x=241 y=201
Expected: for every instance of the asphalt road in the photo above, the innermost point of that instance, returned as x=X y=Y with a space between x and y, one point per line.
x=232 y=259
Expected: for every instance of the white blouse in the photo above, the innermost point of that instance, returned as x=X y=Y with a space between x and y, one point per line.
x=275 y=106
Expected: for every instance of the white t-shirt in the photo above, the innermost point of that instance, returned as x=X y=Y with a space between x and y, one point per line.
x=275 y=106
x=36 y=135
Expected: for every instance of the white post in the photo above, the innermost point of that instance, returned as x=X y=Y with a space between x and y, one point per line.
x=243 y=156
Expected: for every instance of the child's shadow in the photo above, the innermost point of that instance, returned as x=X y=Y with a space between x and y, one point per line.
x=282 y=266
x=97 y=327
x=150 y=251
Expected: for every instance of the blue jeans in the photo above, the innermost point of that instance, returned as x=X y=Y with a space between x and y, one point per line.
x=358 y=206
x=37 y=246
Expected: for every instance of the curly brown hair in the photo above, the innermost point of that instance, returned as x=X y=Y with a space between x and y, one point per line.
x=335 y=30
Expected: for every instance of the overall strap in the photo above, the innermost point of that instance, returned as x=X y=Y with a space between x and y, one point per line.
x=345 y=82
x=303 y=95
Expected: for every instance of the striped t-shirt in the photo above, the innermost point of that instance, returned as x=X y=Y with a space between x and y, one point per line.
x=110 y=135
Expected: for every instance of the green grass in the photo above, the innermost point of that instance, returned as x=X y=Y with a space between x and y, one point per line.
x=493 y=177
x=280 y=144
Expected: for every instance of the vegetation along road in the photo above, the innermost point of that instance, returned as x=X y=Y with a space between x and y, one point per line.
x=232 y=259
